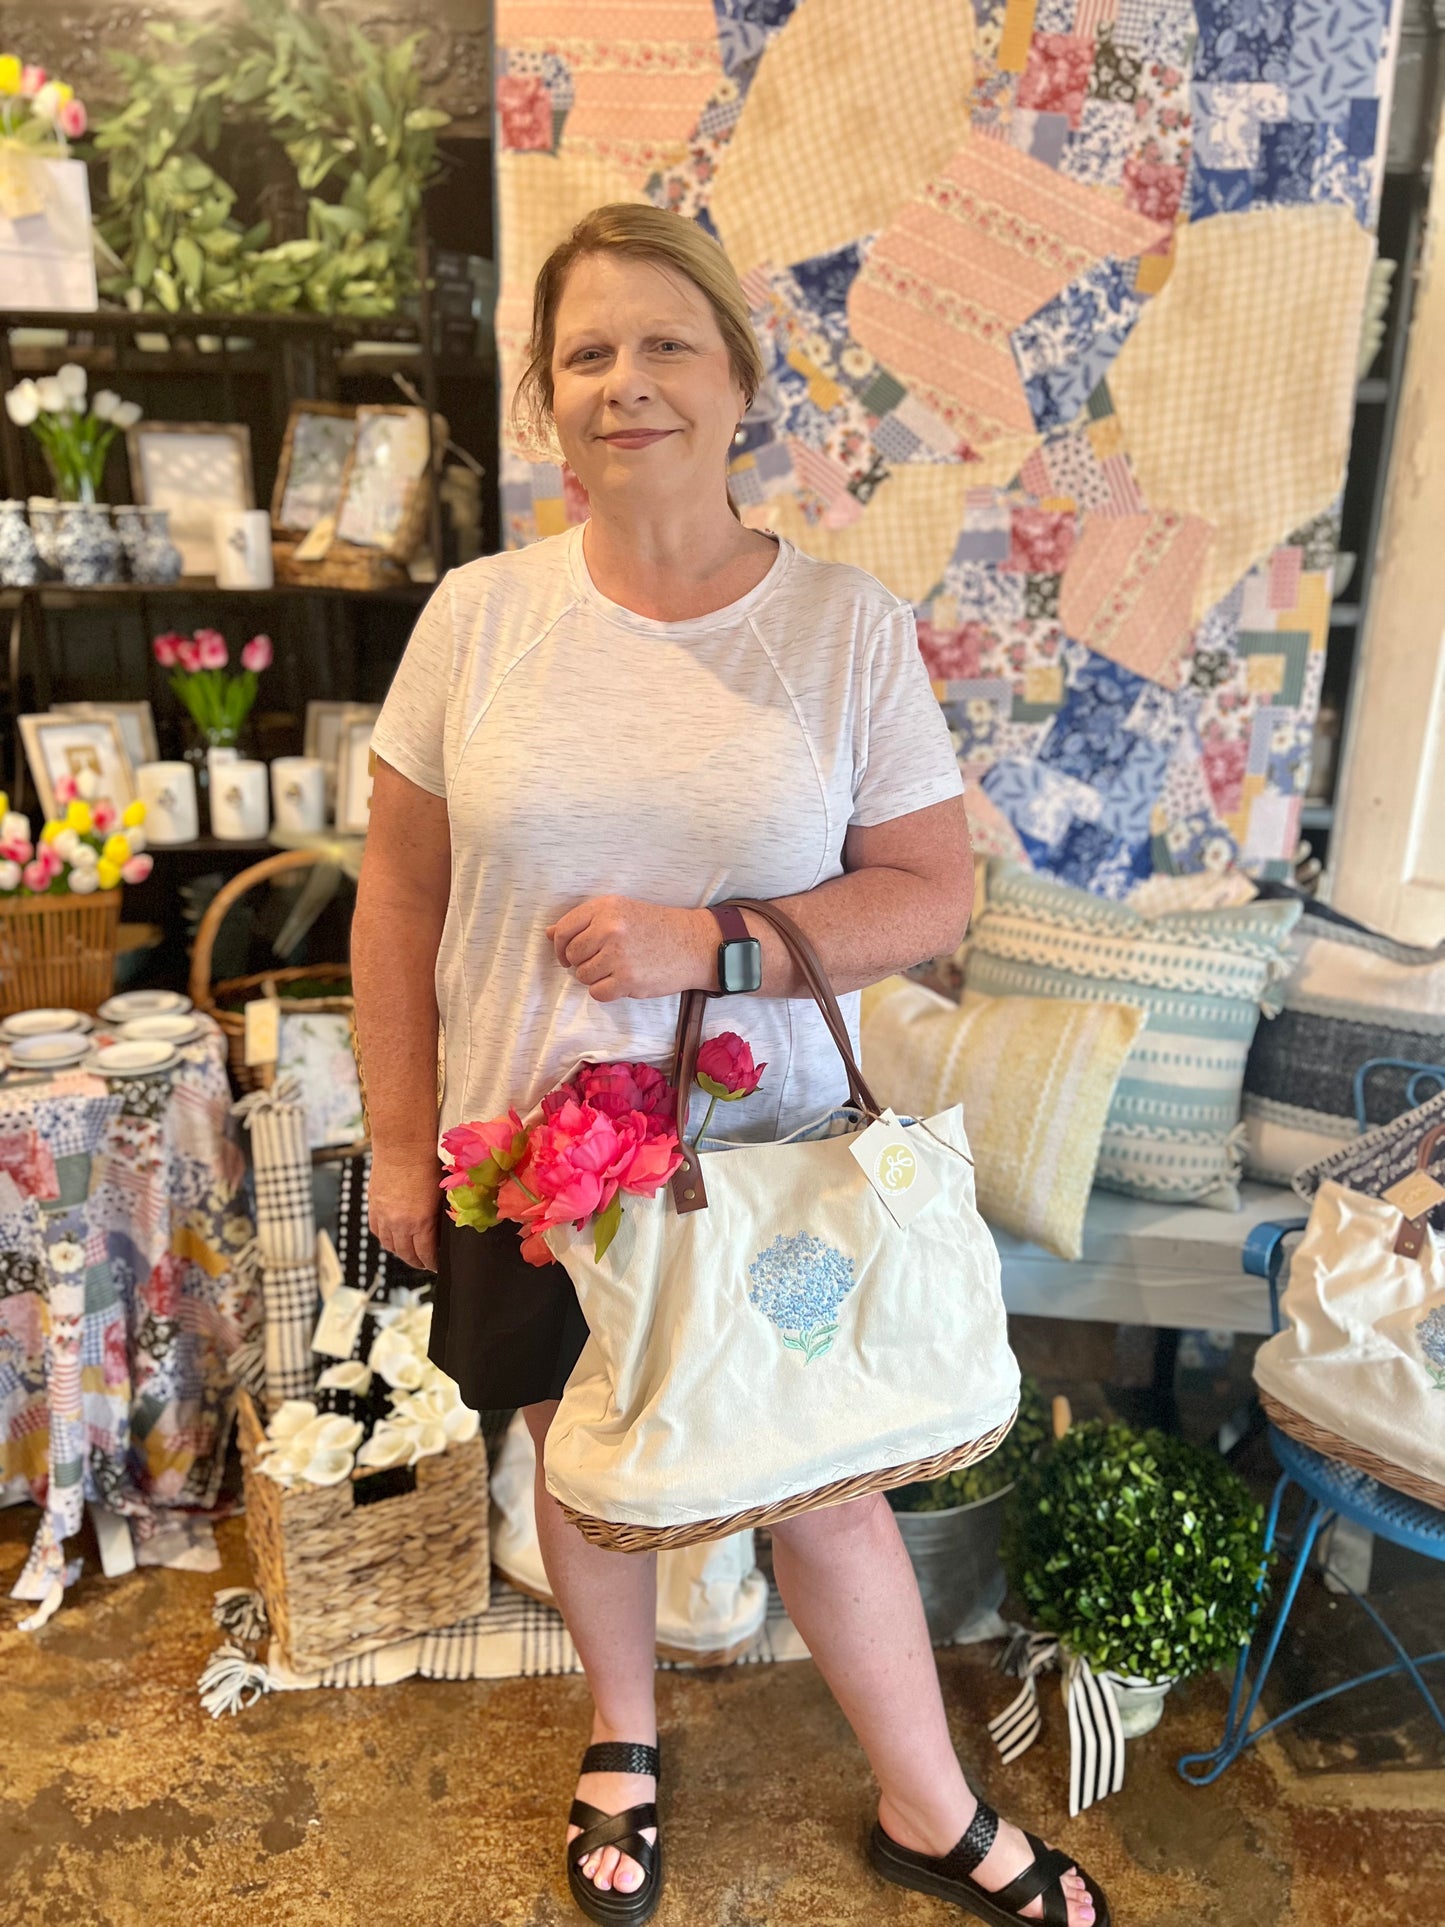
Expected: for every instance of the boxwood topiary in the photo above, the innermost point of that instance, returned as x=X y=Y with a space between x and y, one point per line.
x=1027 y=1439
x=1140 y=1551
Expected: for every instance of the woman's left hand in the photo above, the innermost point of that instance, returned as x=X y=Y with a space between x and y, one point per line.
x=622 y=947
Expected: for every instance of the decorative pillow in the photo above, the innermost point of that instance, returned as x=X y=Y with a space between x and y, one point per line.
x=1382 y=1157
x=1353 y=995
x=1203 y=976
x=1034 y=1076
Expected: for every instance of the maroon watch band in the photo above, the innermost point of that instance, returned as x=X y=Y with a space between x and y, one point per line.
x=731 y=922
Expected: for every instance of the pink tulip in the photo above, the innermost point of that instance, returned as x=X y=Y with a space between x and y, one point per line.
x=166 y=649
x=188 y=655
x=17 y=850
x=725 y=1067
x=65 y=789
x=72 y=120
x=138 y=868
x=212 y=648
x=257 y=654
x=32 y=79
x=37 y=877
x=103 y=817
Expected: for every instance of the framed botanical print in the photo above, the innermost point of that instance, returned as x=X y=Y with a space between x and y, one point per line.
x=76 y=746
x=317 y=447
x=137 y=726
x=192 y=470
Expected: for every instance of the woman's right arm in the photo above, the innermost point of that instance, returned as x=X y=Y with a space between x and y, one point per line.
x=401 y=906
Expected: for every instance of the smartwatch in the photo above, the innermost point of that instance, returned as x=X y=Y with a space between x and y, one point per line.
x=739 y=956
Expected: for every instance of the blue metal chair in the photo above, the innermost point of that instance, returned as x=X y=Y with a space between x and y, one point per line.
x=1331 y=1490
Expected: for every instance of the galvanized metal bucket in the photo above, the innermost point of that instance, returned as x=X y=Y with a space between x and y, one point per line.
x=956 y=1561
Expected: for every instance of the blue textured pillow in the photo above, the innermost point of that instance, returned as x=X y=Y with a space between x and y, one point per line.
x=1173 y=1131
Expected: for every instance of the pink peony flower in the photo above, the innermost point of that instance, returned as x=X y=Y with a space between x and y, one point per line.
x=257 y=654
x=211 y=648
x=575 y=1166
x=616 y=1089
x=188 y=654
x=725 y=1067
x=103 y=818
x=472 y=1147
x=72 y=120
x=138 y=868
x=166 y=649
x=66 y=790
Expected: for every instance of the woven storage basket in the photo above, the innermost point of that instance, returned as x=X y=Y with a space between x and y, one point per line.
x=210 y=997
x=1320 y=1439
x=57 y=951
x=346 y=1568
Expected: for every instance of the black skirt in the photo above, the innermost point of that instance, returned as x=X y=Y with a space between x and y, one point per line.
x=508 y=1332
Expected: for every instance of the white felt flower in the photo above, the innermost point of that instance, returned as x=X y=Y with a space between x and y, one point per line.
x=397 y=1358
x=349 y=1376
x=388 y=1445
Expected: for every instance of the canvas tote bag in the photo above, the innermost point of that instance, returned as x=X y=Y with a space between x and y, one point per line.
x=1360 y=1372
x=766 y=1338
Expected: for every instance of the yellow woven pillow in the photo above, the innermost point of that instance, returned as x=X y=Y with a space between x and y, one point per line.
x=1035 y=1076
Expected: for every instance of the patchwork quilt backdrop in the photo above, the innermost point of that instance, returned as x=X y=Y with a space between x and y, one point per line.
x=1060 y=303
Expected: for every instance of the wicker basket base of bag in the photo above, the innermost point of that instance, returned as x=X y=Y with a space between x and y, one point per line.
x=57 y=952
x=1319 y=1439
x=616 y=1537
x=385 y=1555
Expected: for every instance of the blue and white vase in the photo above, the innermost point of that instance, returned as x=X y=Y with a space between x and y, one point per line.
x=145 y=540
x=88 y=546
x=19 y=562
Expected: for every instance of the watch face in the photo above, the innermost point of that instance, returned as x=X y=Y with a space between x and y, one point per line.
x=740 y=966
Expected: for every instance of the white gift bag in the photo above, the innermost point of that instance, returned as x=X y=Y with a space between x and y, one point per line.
x=1359 y=1372
x=767 y=1337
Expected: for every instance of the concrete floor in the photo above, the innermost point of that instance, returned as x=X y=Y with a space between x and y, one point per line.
x=442 y=1805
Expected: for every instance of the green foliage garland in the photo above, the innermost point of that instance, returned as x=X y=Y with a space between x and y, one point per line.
x=349 y=116
x=1140 y=1551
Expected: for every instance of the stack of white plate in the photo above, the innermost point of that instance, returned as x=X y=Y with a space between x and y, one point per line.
x=46 y=1040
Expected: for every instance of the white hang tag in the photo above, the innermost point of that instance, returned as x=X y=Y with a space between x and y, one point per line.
x=340 y=1322
x=328 y=1265
x=1412 y=1197
x=262 y=1042
x=894 y=1169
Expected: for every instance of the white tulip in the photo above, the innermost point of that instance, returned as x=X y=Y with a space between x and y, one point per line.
x=388 y=1445
x=66 y=844
x=103 y=404
x=350 y=1375
x=9 y=875
x=136 y=840
x=127 y=415
x=47 y=103
x=73 y=380
x=22 y=403
x=82 y=882
x=86 y=856
x=88 y=784
x=14 y=828
x=50 y=395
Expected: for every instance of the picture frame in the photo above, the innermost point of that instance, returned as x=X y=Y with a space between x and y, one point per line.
x=384 y=496
x=355 y=765
x=137 y=726
x=315 y=451
x=323 y=737
x=192 y=470
x=60 y=745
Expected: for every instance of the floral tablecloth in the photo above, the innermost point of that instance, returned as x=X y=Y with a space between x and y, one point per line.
x=128 y=1278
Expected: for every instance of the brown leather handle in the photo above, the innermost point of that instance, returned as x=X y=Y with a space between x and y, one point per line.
x=688 y=1190
x=1427 y=1145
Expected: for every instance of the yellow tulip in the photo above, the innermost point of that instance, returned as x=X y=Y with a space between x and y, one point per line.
x=9 y=74
x=107 y=874
x=63 y=93
x=116 y=849
x=51 y=831
x=133 y=815
x=4 y=803
x=77 y=816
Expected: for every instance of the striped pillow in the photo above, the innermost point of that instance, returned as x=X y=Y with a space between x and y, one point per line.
x=1203 y=976
x=1034 y=1076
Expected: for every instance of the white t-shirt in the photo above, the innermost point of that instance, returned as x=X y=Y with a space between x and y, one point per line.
x=586 y=751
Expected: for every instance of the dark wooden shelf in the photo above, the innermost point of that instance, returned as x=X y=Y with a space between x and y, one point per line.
x=60 y=595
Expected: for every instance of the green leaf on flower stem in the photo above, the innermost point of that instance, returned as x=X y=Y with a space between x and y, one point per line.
x=604 y=1226
x=486 y=1176
x=714 y=1089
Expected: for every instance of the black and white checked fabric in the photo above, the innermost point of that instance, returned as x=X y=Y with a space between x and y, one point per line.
x=285 y=1235
x=291 y=1295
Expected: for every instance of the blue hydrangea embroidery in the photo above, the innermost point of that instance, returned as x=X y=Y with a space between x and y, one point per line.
x=1430 y=1333
x=798 y=1283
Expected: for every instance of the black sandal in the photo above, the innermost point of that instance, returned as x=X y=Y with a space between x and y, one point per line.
x=950 y=1875
x=620 y=1830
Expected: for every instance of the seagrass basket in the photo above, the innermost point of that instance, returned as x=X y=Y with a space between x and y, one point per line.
x=57 y=951
x=383 y=1556
x=225 y=1001
x=1320 y=1439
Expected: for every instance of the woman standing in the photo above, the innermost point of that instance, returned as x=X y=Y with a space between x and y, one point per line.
x=588 y=742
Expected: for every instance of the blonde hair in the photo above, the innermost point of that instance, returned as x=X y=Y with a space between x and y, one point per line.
x=637 y=232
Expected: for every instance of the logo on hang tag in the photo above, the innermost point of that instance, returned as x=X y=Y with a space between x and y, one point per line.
x=891 y=1164
x=1412 y=1197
